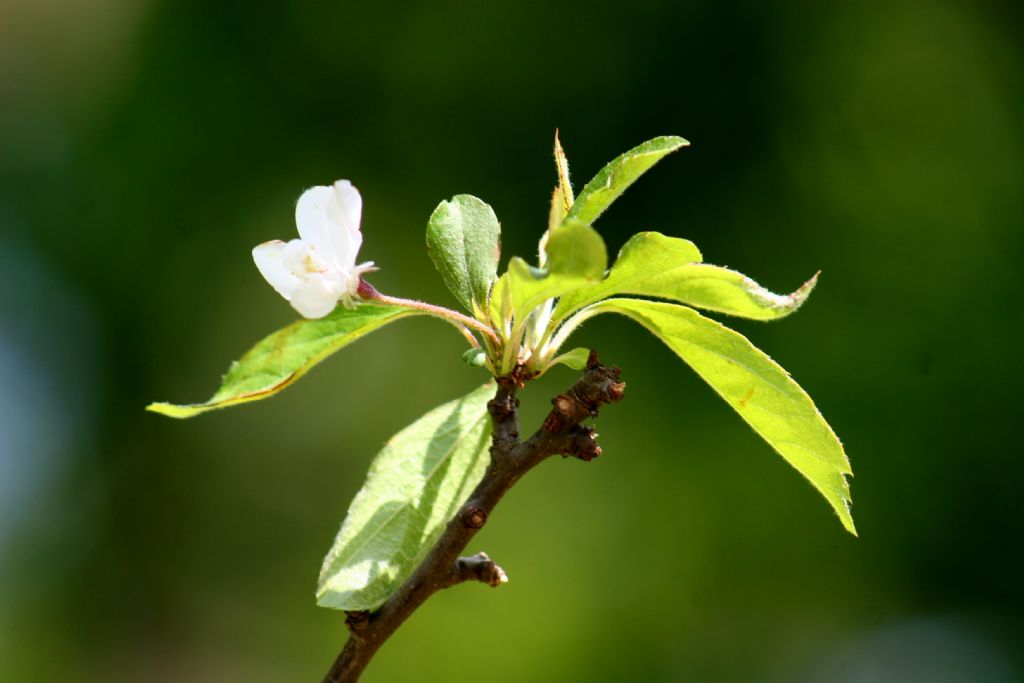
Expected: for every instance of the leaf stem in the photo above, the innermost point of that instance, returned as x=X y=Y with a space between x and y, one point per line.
x=367 y=291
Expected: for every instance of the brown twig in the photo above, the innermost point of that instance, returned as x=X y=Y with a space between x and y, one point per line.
x=561 y=434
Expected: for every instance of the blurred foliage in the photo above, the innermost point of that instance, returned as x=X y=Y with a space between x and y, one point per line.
x=145 y=147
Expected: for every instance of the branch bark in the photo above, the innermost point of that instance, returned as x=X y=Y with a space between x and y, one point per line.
x=562 y=433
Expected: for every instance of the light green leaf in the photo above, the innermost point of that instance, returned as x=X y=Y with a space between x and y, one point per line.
x=576 y=258
x=464 y=241
x=414 y=487
x=562 y=167
x=474 y=358
x=613 y=179
x=645 y=253
x=756 y=387
x=575 y=249
x=284 y=356
x=561 y=199
x=651 y=264
x=575 y=359
x=501 y=301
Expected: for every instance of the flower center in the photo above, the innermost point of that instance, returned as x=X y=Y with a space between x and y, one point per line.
x=311 y=264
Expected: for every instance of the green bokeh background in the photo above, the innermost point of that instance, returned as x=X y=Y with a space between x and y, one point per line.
x=146 y=145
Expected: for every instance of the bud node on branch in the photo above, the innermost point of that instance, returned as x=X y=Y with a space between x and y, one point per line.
x=474 y=517
x=583 y=443
x=357 y=621
x=480 y=568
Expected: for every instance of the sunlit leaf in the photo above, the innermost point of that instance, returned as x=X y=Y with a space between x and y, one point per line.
x=284 y=356
x=757 y=388
x=576 y=258
x=561 y=199
x=574 y=358
x=562 y=166
x=464 y=241
x=651 y=264
x=645 y=254
x=415 y=485
x=556 y=216
x=612 y=180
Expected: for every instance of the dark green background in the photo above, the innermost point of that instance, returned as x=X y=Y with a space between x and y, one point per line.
x=145 y=147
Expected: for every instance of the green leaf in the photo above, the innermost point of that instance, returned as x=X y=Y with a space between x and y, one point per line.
x=619 y=174
x=576 y=258
x=651 y=264
x=561 y=199
x=556 y=216
x=284 y=356
x=757 y=388
x=474 y=358
x=645 y=253
x=575 y=359
x=562 y=167
x=414 y=487
x=464 y=241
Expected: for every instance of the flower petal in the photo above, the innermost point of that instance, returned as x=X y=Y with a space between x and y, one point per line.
x=328 y=219
x=311 y=217
x=274 y=261
x=316 y=295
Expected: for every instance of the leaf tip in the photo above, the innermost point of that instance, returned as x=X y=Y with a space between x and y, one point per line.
x=562 y=168
x=779 y=305
x=842 y=508
x=847 y=520
x=803 y=291
x=172 y=410
x=666 y=144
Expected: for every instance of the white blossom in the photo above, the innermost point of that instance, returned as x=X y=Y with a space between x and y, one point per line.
x=317 y=270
